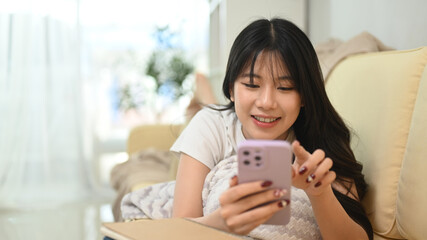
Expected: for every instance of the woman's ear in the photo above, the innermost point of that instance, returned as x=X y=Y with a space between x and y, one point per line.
x=231 y=95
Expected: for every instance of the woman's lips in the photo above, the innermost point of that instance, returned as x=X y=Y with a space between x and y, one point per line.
x=265 y=122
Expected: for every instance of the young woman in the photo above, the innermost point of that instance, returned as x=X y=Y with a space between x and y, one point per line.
x=276 y=91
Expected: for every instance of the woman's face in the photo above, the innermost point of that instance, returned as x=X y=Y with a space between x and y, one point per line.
x=269 y=106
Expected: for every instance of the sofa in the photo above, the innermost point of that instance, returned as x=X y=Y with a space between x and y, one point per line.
x=382 y=97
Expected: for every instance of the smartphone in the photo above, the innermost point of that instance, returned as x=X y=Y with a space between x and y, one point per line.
x=267 y=160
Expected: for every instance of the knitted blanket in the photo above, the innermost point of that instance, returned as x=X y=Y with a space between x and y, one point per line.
x=156 y=201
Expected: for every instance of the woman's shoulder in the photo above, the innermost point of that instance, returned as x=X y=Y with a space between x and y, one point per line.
x=205 y=137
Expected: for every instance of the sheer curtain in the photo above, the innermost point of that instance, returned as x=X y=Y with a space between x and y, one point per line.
x=43 y=158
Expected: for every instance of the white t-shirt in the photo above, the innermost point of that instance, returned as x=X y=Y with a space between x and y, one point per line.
x=211 y=136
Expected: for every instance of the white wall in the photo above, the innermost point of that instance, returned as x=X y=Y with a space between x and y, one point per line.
x=241 y=12
x=401 y=24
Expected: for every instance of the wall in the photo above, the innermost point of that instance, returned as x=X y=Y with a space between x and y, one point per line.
x=401 y=24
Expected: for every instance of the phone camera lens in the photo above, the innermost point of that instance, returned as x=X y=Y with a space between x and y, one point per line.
x=246 y=162
x=246 y=153
x=258 y=158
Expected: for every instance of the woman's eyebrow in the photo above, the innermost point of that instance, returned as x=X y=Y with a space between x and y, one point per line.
x=251 y=75
x=285 y=77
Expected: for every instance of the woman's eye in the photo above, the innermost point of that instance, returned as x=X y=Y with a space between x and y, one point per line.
x=250 y=85
x=286 y=88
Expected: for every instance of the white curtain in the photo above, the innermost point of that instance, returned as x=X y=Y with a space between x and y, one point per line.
x=43 y=158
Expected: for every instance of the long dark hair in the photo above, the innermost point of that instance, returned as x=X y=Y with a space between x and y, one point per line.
x=318 y=125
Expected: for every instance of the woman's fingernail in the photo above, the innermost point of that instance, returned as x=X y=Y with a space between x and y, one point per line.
x=232 y=180
x=283 y=203
x=310 y=178
x=266 y=183
x=317 y=184
x=279 y=193
x=302 y=170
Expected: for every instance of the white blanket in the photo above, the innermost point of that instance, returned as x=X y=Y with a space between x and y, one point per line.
x=156 y=201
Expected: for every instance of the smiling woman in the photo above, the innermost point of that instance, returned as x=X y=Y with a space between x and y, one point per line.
x=276 y=91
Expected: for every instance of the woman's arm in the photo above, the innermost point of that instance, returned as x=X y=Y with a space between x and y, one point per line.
x=334 y=222
x=188 y=189
x=312 y=174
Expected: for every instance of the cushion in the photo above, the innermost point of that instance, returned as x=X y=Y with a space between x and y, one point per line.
x=376 y=94
x=412 y=188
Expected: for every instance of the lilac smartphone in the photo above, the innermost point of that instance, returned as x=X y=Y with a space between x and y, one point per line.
x=267 y=160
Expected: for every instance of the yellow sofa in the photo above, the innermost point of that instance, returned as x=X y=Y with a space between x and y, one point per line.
x=383 y=98
x=159 y=137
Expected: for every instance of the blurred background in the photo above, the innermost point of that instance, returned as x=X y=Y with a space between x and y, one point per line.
x=77 y=75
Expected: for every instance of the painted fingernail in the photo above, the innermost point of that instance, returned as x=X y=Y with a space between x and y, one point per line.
x=233 y=179
x=279 y=193
x=283 y=203
x=266 y=183
x=310 y=178
x=302 y=170
x=317 y=184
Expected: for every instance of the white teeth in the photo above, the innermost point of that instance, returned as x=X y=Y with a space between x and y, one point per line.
x=266 y=120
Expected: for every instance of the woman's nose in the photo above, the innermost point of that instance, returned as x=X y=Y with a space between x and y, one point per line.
x=266 y=99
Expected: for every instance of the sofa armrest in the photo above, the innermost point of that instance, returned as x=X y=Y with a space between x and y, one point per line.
x=156 y=136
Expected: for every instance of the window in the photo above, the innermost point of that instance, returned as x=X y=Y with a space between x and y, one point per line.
x=118 y=39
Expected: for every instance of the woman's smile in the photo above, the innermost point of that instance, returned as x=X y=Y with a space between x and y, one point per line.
x=265 y=122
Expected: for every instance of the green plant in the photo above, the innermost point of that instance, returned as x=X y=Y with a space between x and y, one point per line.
x=168 y=66
x=130 y=97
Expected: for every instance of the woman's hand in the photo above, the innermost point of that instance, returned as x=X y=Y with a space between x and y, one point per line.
x=237 y=213
x=311 y=172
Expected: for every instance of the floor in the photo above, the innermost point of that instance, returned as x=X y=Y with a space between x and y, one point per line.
x=79 y=220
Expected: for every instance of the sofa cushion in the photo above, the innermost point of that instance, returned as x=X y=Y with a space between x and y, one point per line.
x=376 y=93
x=412 y=188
